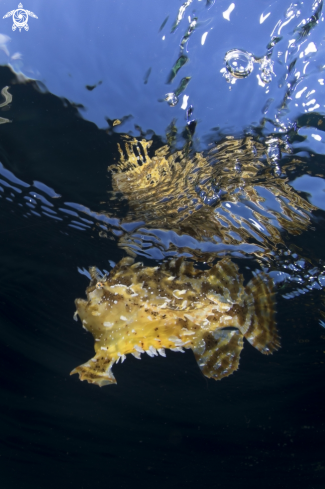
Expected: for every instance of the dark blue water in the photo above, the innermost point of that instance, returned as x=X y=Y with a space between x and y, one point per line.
x=81 y=66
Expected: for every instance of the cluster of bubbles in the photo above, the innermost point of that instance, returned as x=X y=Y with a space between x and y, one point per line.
x=171 y=99
x=273 y=154
x=303 y=276
x=240 y=64
x=209 y=192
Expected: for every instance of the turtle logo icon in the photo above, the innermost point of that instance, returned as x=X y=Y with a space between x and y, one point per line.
x=20 y=18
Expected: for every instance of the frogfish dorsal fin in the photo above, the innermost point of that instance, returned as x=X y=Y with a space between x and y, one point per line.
x=219 y=352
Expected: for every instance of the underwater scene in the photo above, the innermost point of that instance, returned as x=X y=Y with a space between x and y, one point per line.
x=162 y=198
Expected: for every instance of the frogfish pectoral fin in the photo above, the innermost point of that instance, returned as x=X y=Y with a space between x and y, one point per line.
x=219 y=353
x=262 y=332
x=97 y=370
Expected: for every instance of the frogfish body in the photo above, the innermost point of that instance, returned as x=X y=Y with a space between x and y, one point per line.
x=140 y=309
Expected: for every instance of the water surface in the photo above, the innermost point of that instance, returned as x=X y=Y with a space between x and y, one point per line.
x=81 y=70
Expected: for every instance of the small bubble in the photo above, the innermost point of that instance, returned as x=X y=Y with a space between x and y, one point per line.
x=273 y=151
x=239 y=63
x=171 y=99
x=266 y=70
x=237 y=167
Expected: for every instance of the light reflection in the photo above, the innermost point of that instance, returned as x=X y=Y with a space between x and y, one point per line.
x=284 y=24
x=311 y=48
x=312 y=109
x=4 y=39
x=203 y=38
x=260 y=81
x=298 y=94
x=317 y=137
x=184 y=103
x=180 y=15
x=264 y=17
x=226 y=13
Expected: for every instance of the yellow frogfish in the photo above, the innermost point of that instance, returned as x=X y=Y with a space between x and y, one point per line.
x=140 y=309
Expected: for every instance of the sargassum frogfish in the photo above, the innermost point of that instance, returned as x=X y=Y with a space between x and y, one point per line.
x=140 y=309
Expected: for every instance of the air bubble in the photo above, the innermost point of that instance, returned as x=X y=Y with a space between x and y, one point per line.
x=171 y=99
x=273 y=151
x=237 y=167
x=266 y=70
x=239 y=63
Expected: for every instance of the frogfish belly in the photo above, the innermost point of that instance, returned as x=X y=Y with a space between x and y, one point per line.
x=140 y=309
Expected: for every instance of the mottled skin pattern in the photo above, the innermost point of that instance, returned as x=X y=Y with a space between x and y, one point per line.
x=164 y=191
x=148 y=309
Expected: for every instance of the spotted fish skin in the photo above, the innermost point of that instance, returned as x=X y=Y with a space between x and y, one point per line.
x=141 y=309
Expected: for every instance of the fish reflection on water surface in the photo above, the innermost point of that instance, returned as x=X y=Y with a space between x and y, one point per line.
x=139 y=309
x=234 y=199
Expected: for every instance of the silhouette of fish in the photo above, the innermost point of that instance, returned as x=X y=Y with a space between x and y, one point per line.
x=140 y=309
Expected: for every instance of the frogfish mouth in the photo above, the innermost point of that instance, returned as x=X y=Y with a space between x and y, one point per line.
x=138 y=309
